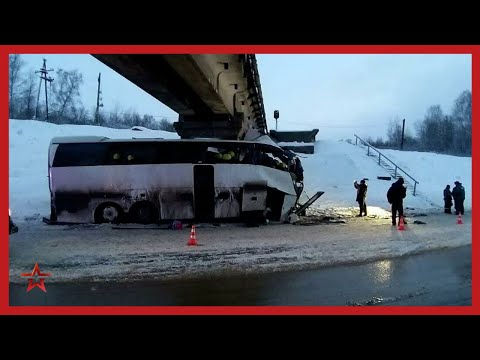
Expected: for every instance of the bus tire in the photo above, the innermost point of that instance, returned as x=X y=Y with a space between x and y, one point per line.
x=143 y=212
x=108 y=213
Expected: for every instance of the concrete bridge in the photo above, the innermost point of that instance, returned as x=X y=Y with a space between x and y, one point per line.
x=215 y=95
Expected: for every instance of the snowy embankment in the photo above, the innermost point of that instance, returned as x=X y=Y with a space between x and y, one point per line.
x=336 y=164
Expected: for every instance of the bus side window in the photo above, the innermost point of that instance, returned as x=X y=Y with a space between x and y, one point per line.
x=141 y=154
x=79 y=155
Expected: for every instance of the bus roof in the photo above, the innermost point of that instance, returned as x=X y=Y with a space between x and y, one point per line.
x=77 y=139
x=97 y=139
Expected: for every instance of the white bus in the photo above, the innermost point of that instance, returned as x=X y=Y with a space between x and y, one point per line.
x=97 y=180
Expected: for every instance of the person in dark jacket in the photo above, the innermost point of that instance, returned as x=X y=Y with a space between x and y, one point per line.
x=361 y=196
x=395 y=196
x=458 y=194
x=447 y=197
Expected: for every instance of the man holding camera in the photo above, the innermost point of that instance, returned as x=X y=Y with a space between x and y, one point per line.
x=361 y=196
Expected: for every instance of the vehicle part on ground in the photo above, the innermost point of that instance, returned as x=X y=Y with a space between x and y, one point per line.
x=310 y=201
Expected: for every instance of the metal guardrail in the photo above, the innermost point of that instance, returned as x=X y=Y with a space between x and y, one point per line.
x=380 y=155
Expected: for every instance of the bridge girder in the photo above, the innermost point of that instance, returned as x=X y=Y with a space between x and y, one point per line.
x=215 y=95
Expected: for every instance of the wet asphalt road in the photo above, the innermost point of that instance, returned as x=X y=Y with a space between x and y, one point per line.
x=440 y=277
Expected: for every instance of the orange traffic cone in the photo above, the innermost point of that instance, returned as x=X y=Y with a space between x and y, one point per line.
x=193 y=237
x=401 y=224
x=459 y=219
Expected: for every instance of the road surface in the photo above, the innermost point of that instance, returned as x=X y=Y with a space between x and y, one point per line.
x=439 y=277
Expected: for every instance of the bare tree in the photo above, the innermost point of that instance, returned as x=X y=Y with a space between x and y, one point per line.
x=166 y=125
x=462 y=109
x=28 y=95
x=430 y=134
x=437 y=131
x=394 y=132
x=130 y=119
x=115 y=117
x=80 y=115
x=16 y=64
x=66 y=91
x=462 y=119
x=148 y=121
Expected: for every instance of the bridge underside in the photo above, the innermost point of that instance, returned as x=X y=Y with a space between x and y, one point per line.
x=214 y=95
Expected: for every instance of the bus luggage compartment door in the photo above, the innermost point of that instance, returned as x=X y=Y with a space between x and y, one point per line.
x=254 y=196
x=204 y=191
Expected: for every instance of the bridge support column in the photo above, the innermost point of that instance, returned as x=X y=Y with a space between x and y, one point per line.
x=209 y=126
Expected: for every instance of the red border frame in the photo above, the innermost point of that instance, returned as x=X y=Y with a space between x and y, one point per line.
x=227 y=49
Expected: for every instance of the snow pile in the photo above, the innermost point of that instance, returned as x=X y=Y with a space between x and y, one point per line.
x=295 y=143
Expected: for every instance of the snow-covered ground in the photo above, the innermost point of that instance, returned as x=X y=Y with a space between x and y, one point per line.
x=435 y=172
x=98 y=252
x=336 y=164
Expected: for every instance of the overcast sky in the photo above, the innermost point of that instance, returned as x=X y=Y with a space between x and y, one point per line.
x=338 y=94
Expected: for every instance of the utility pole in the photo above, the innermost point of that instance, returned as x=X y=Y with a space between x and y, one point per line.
x=99 y=99
x=403 y=134
x=43 y=76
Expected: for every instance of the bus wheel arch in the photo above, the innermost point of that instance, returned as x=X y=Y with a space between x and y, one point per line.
x=108 y=212
x=143 y=212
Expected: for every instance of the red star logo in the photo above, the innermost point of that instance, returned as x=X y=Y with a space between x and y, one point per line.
x=36 y=271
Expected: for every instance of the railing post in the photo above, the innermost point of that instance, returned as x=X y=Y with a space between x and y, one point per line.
x=368 y=150
x=414 y=187
x=379 y=158
x=395 y=176
x=356 y=139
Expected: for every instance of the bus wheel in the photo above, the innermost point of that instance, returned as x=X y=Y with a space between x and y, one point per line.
x=143 y=213
x=108 y=213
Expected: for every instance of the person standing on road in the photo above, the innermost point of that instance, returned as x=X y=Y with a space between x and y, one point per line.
x=458 y=194
x=395 y=196
x=447 y=197
x=361 y=196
